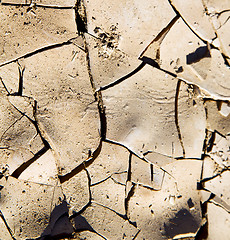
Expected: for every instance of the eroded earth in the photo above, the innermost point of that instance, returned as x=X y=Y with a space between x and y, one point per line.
x=114 y=119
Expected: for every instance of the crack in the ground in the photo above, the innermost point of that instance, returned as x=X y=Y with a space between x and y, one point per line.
x=129 y=194
x=82 y=166
x=109 y=177
x=112 y=84
x=42 y=49
x=131 y=151
x=154 y=45
x=178 y=13
x=7 y=129
x=17 y=172
x=7 y=226
x=20 y=80
x=124 y=217
x=219 y=202
x=75 y=214
x=35 y=5
x=82 y=28
x=176 y=117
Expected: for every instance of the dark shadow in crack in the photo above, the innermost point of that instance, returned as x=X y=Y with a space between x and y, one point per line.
x=201 y=52
x=182 y=223
x=82 y=166
x=190 y=203
x=7 y=226
x=17 y=172
x=211 y=142
x=153 y=63
x=81 y=224
x=150 y=61
x=203 y=231
x=80 y=17
x=137 y=69
x=59 y=225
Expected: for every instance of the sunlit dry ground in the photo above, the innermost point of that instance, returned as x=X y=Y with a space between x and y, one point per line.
x=114 y=119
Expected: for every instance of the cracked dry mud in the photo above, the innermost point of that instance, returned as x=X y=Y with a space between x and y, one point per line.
x=114 y=119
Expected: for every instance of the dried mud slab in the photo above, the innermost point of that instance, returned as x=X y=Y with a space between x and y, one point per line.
x=112 y=162
x=218 y=222
x=218 y=5
x=191 y=120
x=140 y=113
x=172 y=211
x=26 y=206
x=195 y=63
x=59 y=223
x=104 y=217
x=20 y=140
x=224 y=34
x=215 y=80
x=108 y=63
x=218 y=116
x=215 y=179
x=119 y=40
x=210 y=168
x=66 y=111
x=218 y=11
x=146 y=174
x=133 y=23
x=87 y=235
x=24 y=29
x=220 y=150
x=76 y=191
x=10 y=76
x=194 y=15
x=219 y=186
x=158 y=159
x=4 y=231
x=39 y=170
x=110 y=194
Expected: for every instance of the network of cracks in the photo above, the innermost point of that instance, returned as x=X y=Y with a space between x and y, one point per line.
x=115 y=119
